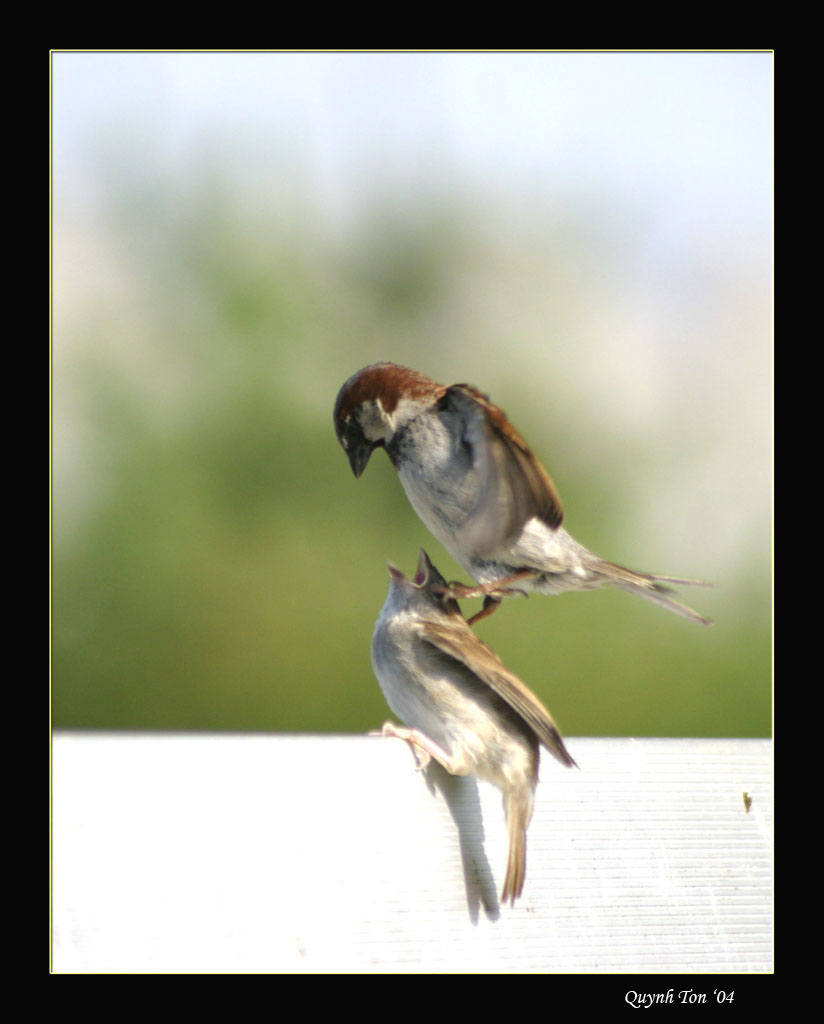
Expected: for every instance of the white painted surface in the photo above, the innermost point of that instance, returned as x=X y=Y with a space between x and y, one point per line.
x=250 y=853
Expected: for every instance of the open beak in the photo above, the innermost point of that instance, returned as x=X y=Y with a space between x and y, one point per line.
x=396 y=574
x=424 y=568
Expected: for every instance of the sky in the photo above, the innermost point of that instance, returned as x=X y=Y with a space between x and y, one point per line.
x=689 y=134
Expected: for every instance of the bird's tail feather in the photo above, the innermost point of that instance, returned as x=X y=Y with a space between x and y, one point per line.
x=653 y=588
x=517 y=819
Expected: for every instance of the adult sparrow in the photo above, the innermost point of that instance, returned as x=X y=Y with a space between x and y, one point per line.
x=461 y=705
x=479 y=489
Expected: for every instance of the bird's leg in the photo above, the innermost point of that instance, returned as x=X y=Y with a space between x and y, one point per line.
x=491 y=604
x=425 y=749
x=492 y=593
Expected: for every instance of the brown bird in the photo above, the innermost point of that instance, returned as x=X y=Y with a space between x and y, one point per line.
x=479 y=489
x=460 y=703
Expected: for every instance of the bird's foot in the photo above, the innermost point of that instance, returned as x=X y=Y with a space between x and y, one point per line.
x=492 y=593
x=410 y=736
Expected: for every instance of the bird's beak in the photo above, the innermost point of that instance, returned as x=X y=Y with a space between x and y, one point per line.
x=424 y=569
x=359 y=456
x=396 y=574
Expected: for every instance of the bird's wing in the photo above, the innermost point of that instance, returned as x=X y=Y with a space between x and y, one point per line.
x=464 y=646
x=513 y=486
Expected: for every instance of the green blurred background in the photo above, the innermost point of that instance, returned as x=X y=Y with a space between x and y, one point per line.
x=584 y=236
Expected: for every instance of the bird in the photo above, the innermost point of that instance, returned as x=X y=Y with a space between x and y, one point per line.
x=479 y=489
x=460 y=704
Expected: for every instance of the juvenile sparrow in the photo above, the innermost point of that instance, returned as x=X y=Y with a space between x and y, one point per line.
x=478 y=488
x=461 y=705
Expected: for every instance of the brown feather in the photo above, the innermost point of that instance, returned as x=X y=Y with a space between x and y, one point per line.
x=386 y=381
x=530 y=485
x=464 y=646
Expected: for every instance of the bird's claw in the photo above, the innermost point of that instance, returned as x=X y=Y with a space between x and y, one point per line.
x=422 y=757
x=492 y=593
